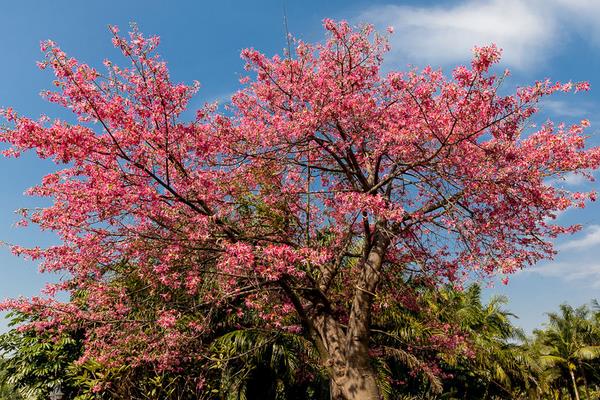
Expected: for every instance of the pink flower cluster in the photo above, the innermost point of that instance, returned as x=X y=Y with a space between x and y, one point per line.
x=272 y=206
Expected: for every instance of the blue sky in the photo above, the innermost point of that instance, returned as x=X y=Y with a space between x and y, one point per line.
x=558 y=39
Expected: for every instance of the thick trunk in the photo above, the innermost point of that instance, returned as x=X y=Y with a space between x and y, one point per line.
x=355 y=384
x=352 y=375
x=344 y=350
x=360 y=378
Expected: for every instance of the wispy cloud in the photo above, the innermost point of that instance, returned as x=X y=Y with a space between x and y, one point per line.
x=577 y=260
x=586 y=273
x=590 y=239
x=564 y=108
x=571 y=180
x=529 y=31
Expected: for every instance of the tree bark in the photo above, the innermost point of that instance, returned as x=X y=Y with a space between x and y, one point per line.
x=585 y=381
x=574 y=384
x=355 y=384
x=344 y=350
x=353 y=376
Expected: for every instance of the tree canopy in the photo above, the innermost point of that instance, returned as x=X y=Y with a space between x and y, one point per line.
x=304 y=206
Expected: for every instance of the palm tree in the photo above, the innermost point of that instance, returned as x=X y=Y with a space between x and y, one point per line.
x=266 y=364
x=490 y=364
x=499 y=366
x=567 y=345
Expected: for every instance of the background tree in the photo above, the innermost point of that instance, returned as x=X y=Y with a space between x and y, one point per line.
x=306 y=202
x=35 y=363
x=568 y=344
x=442 y=343
x=7 y=391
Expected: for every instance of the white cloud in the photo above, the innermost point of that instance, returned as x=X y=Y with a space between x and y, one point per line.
x=590 y=239
x=529 y=31
x=576 y=271
x=564 y=108
x=573 y=179
x=582 y=15
x=577 y=260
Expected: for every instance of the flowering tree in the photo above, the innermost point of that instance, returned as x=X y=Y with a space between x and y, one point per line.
x=304 y=203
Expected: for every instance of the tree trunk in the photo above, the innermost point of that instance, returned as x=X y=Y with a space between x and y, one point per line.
x=585 y=382
x=345 y=351
x=352 y=375
x=574 y=384
x=356 y=378
x=355 y=384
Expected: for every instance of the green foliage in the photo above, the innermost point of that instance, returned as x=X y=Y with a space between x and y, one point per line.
x=97 y=381
x=495 y=361
x=568 y=349
x=34 y=363
x=7 y=391
x=262 y=364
